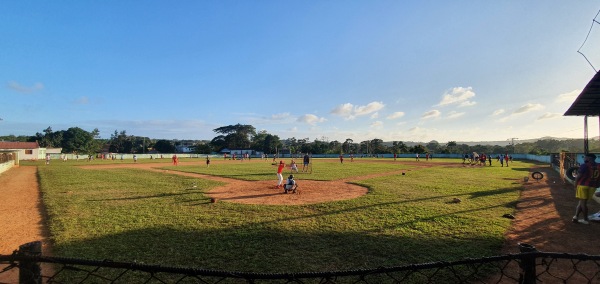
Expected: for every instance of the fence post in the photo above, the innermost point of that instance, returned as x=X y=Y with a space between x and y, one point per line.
x=528 y=273
x=30 y=272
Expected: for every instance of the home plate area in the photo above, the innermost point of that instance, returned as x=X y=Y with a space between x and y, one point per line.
x=265 y=192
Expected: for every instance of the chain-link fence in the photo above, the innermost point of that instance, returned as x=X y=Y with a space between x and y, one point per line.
x=528 y=266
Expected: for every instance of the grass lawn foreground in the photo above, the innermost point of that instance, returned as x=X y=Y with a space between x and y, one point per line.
x=154 y=218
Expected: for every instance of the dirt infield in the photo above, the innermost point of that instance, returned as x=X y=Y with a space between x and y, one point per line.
x=543 y=218
x=543 y=215
x=263 y=192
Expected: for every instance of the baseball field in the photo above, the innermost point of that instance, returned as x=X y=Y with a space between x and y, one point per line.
x=229 y=216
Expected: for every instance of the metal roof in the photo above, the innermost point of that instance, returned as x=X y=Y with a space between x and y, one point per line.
x=588 y=102
x=19 y=145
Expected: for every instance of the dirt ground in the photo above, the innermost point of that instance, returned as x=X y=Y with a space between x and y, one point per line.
x=264 y=192
x=542 y=217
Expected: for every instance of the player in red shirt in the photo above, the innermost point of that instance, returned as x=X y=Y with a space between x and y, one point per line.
x=588 y=179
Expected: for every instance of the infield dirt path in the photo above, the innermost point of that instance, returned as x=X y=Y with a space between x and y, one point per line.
x=261 y=192
x=543 y=218
x=543 y=212
x=21 y=215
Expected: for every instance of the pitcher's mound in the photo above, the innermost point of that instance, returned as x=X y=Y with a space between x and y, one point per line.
x=264 y=192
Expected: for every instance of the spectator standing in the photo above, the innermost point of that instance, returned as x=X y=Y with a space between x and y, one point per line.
x=588 y=178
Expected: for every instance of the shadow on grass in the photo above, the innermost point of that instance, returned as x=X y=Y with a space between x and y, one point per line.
x=349 y=209
x=161 y=195
x=521 y=169
x=269 y=251
x=491 y=192
x=262 y=246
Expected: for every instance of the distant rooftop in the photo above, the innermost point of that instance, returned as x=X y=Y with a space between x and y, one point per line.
x=19 y=145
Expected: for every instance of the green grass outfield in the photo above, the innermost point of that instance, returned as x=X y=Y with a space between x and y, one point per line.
x=138 y=215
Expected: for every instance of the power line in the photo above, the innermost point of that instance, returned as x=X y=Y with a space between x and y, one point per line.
x=586 y=38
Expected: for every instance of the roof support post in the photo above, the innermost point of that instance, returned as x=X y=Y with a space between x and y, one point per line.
x=586 y=143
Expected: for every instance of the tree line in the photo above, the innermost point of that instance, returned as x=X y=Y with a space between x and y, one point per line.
x=79 y=141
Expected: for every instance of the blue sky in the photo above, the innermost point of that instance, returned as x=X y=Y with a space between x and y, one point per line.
x=328 y=70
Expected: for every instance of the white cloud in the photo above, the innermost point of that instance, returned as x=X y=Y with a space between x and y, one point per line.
x=549 y=115
x=415 y=129
x=343 y=110
x=371 y=107
x=521 y=110
x=458 y=95
x=505 y=119
x=498 y=112
x=420 y=134
x=431 y=114
x=377 y=124
x=455 y=114
x=528 y=107
x=568 y=97
x=395 y=115
x=25 y=89
x=280 y=116
x=467 y=104
x=311 y=119
x=349 y=111
x=158 y=129
x=375 y=115
x=254 y=118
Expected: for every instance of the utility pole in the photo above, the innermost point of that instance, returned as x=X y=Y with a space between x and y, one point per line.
x=513 y=143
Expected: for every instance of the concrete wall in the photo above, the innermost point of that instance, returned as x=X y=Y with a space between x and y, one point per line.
x=436 y=155
x=6 y=166
x=130 y=156
x=539 y=158
x=35 y=155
